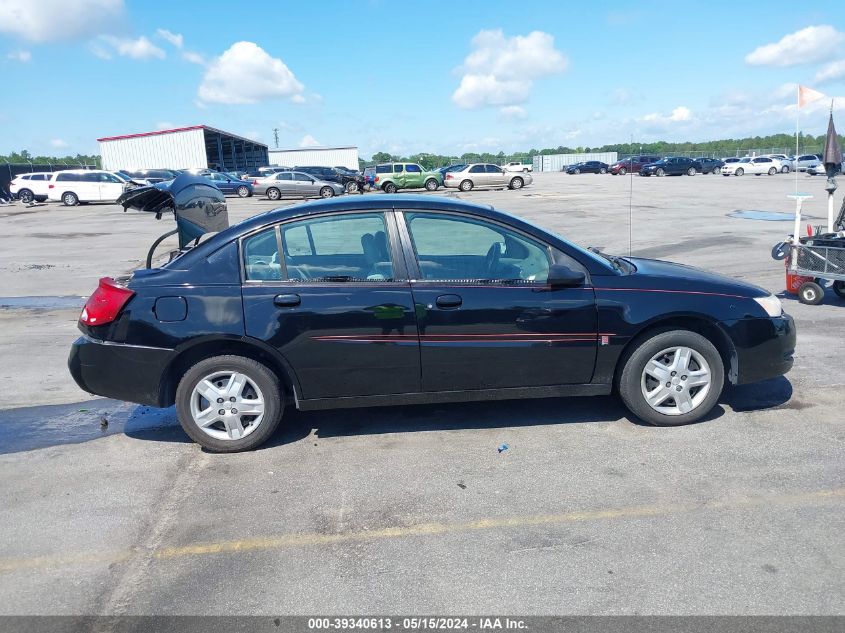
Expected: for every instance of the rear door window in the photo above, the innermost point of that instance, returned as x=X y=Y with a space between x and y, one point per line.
x=476 y=169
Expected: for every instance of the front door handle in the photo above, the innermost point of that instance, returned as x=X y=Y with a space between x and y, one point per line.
x=286 y=301
x=449 y=301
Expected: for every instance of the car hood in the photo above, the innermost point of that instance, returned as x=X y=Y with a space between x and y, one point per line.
x=683 y=277
x=198 y=206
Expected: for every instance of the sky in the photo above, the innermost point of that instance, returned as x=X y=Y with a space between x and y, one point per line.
x=443 y=77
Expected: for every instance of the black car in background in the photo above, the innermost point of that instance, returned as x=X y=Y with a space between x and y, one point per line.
x=588 y=167
x=403 y=299
x=153 y=176
x=349 y=181
x=710 y=165
x=672 y=166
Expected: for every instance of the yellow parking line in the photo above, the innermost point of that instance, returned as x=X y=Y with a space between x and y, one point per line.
x=309 y=539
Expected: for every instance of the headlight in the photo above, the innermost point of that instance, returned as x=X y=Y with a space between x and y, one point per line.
x=771 y=305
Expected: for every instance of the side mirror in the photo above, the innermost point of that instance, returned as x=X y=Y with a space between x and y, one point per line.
x=562 y=276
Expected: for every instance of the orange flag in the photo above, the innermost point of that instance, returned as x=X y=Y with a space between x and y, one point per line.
x=807 y=95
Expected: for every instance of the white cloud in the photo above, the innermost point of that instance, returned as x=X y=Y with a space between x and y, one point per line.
x=194 y=58
x=245 y=73
x=58 y=143
x=298 y=99
x=678 y=115
x=49 y=20
x=174 y=38
x=513 y=112
x=831 y=72
x=807 y=46
x=309 y=141
x=20 y=56
x=681 y=113
x=107 y=45
x=500 y=71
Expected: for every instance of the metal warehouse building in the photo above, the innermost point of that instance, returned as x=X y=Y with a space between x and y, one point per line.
x=182 y=148
x=316 y=156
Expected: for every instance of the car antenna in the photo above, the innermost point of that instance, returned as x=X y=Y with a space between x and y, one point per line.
x=630 y=198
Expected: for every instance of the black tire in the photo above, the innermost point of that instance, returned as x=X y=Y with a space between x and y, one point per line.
x=431 y=184
x=660 y=172
x=264 y=378
x=326 y=192
x=839 y=289
x=577 y=171
x=70 y=199
x=273 y=193
x=243 y=191
x=691 y=171
x=811 y=293
x=739 y=171
x=622 y=171
x=602 y=170
x=390 y=188
x=351 y=186
x=466 y=185
x=26 y=196
x=516 y=183
x=785 y=169
x=772 y=171
x=642 y=351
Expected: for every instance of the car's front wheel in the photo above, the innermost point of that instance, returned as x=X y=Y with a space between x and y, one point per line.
x=691 y=171
x=273 y=193
x=326 y=192
x=431 y=184
x=661 y=172
x=785 y=169
x=622 y=171
x=671 y=378
x=229 y=403
x=70 y=199
x=739 y=172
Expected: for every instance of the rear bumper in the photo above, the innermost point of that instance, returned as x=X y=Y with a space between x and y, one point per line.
x=764 y=347
x=116 y=370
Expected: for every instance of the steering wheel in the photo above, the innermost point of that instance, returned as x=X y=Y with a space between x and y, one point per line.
x=491 y=260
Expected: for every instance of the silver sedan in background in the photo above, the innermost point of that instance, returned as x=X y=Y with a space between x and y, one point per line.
x=294 y=184
x=485 y=175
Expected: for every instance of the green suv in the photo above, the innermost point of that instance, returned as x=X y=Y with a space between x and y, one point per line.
x=391 y=177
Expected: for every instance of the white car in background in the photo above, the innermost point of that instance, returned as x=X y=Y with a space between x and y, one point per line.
x=757 y=166
x=785 y=163
x=73 y=186
x=29 y=187
x=806 y=161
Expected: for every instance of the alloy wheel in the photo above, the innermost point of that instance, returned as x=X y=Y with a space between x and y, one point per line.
x=676 y=381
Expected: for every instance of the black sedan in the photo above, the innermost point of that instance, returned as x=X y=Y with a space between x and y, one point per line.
x=710 y=165
x=672 y=166
x=588 y=167
x=378 y=300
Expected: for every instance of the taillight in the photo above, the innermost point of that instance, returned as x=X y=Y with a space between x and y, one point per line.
x=105 y=303
x=254 y=183
x=449 y=176
x=375 y=179
x=50 y=186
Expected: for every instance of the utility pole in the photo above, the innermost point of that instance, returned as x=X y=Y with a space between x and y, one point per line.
x=276 y=136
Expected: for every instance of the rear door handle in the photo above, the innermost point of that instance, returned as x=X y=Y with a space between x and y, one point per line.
x=286 y=301
x=449 y=301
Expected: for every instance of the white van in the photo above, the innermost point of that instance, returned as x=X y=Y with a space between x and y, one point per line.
x=73 y=186
x=29 y=187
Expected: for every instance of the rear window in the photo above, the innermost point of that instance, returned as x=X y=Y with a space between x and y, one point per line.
x=384 y=169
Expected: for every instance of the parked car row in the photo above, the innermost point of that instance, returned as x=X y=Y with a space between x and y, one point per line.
x=649 y=165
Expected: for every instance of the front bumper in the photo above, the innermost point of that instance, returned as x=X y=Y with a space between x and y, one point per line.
x=764 y=347
x=123 y=372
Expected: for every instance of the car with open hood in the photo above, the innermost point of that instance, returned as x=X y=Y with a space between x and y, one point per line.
x=407 y=299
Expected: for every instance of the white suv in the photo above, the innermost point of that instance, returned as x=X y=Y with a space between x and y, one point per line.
x=73 y=186
x=29 y=187
x=805 y=161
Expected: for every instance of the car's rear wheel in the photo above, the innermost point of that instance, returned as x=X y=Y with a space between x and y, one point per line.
x=229 y=403
x=785 y=169
x=466 y=185
x=811 y=293
x=273 y=193
x=25 y=196
x=691 y=171
x=431 y=184
x=739 y=171
x=661 y=172
x=622 y=171
x=671 y=378
x=70 y=199
x=326 y=192
x=772 y=171
x=516 y=183
x=390 y=188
